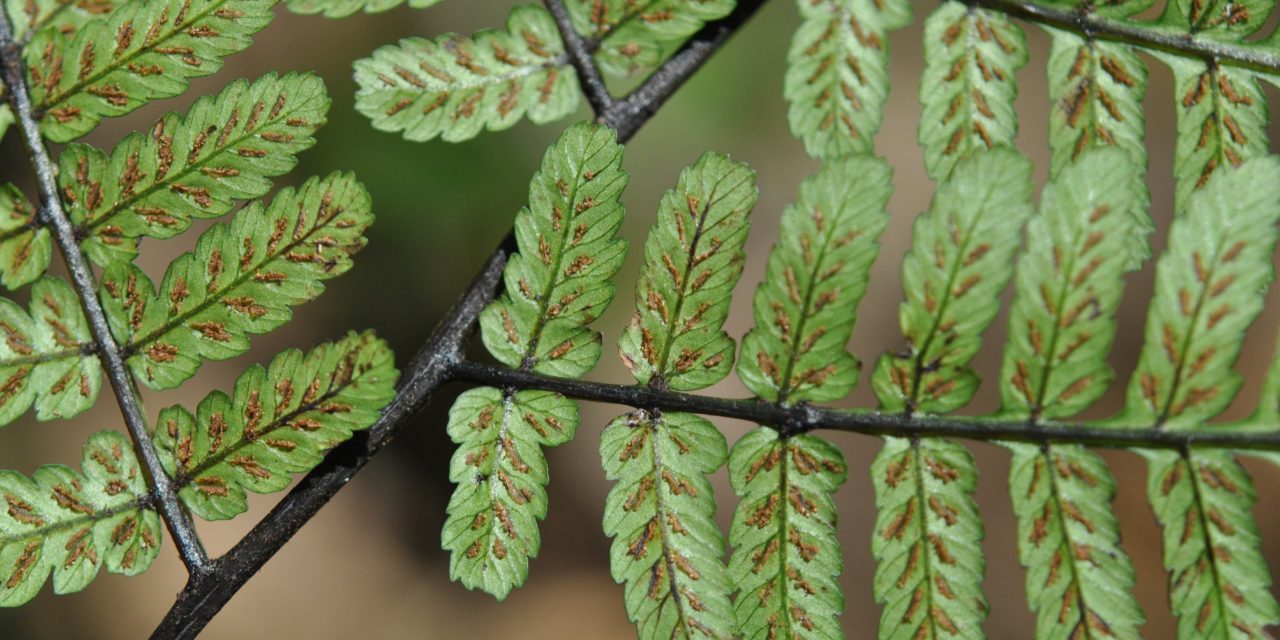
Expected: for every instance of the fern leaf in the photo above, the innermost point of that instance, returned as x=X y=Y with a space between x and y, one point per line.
x=1222 y=122
x=241 y=279
x=1208 y=290
x=635 y=35
x=1226 y=20
x=1219 y=584
x=194 y=166
x=143 y=51
x=837 y=77
x=559 y=281
x=968 y=86
x=786 y=557
x=455 y=87
x=65 y=16
x=1079 y=580
x=960 y=260
x=1111 y=9
x=43 y=358
x=660 y=514
x=280 y=421
x=806 y=306
x=25 y=245
x=492 y=528
x=70 y=523
x=927 y=541
x=693 y=258
x=344 y=8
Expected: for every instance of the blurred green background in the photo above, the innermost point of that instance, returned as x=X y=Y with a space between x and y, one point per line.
x=370 y=564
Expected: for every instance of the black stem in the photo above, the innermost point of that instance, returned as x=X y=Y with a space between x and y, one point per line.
x=579 y=50
x=175 y=517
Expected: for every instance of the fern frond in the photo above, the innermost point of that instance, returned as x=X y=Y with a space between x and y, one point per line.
x=455 y=87
x=195 y=166
x=344 y=8
x=492 y=528
x=1226 y=20
x=667 y=548
x=837 y=77
x=693 y=258
x=557 y=283
x=142 y=51
x=786 y=556
x=70 y=523
x=927 y=541
x=968 y=86
x=241 y=279
x=25 y=245
x=279 y=422
x=660 y=514
x=635 y=35
x=806 y=306
x=44 y=355
x=960 y=260
x=64 y=16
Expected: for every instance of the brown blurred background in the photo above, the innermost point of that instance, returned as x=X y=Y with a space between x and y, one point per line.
x=370 y=564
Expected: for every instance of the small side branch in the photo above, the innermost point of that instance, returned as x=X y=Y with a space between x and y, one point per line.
x=579 y=50
x=1249 y=55
x=52 y=214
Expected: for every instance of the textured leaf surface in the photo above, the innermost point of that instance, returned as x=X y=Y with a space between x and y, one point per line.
x=960 y=260
x=667 y=548
x=837 y=78
x=194 y=166
x=1069 y=286
x=1227 y=20
x=344 y=8
x=786 y=558
x=42 y=357
x=927 y=541
x=560 y=278
x=1209 y=285
x=70 y=523
x=280 y=421
x=693 y=258
x=1079 y=581
x=143 y=51
x=1222 y=121
x=968 y=87
x=241 y=279
x=455 y=87
x=1219 y=583
x=805 y=307
x=64 y=16
x=492 y=527
x=25 y=245
x=635 y=35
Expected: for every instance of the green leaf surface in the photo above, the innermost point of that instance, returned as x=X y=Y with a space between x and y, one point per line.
x=70 y=523
x=786 y=558
x=1209 y=288
x=635 y=35
x=241 y=279
x=64 y=16
x=492 y=526
x=25 y=245
x=927 y=541
x=693 y=259
x=968 y=87
x=42 y=355
x=455 y=87
x=1219 y=583
x=223 y=150
x=143 y=51
x=960 y=261
x=837 y=77
x=1224 y=20
x=344 y=8
x=1069 y=286
x=667 y=549
x=1109 y=9
x=1079 y=581
x=806 y=306
x=559 y=280
x=279 y=421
